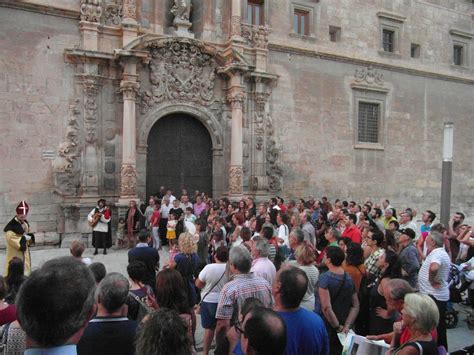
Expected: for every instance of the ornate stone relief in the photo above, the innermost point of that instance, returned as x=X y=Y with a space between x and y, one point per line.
x=130 y=9
x=128 y=185
x=91 y=10
x=235 y=29
x=235 y=179
x=274 y=171
x=370 y=76
x=91 y=90
x=256 y=36
x=113 y=13
x=65 y=168
x=180 y=69
x=260 y=118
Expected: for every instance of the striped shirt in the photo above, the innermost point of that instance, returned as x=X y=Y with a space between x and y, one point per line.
x=235 y=292
x=440 y=257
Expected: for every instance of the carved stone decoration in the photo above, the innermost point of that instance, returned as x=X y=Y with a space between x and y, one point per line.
x=235 y=179
x=181 y=10
x=260 y=117
x=128 y=184
x=273 y=169
x=130 y=9
x=370 y=76
x=235 y=29
x=181 y=70
x=113 y=13
x=255 y=36
x=91 y=10
x=90 y=109
x=65 y=166
x=236 y=100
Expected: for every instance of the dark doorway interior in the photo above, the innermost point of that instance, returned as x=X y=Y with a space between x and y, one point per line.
x=179 y=156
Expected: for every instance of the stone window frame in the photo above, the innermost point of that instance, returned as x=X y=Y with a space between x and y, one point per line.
x=335 y=31
x=311 y=10
x=461 y=39
x=266 y=12
x=415 y=50
x=390 y=22
x=374 y=95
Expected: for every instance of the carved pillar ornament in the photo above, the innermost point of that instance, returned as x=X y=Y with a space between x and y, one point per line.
x=236 y=99
x=128 y=185
x=181 y=11
x=91 y=10
x=130 y=10
x=90 y=177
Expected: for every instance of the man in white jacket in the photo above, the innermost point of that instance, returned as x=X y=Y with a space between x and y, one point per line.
x=99 y=219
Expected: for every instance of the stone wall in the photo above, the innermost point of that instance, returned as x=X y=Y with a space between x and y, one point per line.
x=313 y=114
x=35 y=87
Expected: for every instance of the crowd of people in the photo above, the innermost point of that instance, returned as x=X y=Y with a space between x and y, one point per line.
x=269 y=278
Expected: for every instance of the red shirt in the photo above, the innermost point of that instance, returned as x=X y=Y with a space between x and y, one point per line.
x=8 y=315
x=282 y=208
x=155 y=218
x=354 y=233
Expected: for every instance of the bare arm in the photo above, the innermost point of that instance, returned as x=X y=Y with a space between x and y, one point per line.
x=353 y=312
x=433 y=273
x=222 y=327
x=326 y=307
x=199 y=283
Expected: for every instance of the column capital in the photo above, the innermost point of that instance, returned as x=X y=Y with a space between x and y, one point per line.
x=236 y=99
x=129 y=89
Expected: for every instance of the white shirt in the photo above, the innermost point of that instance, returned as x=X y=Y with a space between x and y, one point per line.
x=165 y=211
x=283 y=232
x=411 y=225
x=264 y=268
x=440 y=257
x=210 y=275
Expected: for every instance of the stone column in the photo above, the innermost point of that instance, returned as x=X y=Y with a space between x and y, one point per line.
x=129 y=22
x=236 y=99
x=129 y=88
x=236 y=20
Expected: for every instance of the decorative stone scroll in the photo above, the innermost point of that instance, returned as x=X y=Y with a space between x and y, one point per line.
x=182 y=70
x=128 y=184
x=256 y=36
x=235 y=179
x=370 y=76
x=91 y=10
x=91 y=90
x=65 y=166
x=113 y=13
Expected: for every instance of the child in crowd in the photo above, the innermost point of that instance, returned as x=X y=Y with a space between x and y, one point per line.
x=171 y=228
x=120 y=232
x=174 y=250
x=189 y=216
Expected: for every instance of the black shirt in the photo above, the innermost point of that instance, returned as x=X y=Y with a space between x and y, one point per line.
x=150 y=257
x=177 y=211
x=114 y=335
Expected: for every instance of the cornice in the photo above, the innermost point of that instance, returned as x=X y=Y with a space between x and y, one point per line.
x=42 y=9
x=366 y=62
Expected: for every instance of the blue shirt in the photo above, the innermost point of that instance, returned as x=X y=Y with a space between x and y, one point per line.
x=58 y=350
x=306 y=333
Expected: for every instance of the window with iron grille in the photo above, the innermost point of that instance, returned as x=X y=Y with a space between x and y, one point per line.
x=255 y=12
x=388 y=40
x=458 y=54
x=369 y=116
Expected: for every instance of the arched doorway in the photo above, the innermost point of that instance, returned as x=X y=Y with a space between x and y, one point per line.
x=179 y=155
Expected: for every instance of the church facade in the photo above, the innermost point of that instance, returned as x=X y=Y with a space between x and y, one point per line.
x=115 y=98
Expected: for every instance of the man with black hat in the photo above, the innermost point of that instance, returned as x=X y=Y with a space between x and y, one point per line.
x=409 y=256
x=99 y=219
x=18 y=239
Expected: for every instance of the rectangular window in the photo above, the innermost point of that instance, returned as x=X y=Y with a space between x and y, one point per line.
x=388 y=40
x=301 y=22
x=255 y=12
x=415 y=50
x=458 y=55
x=334 y=34
x=369 y=116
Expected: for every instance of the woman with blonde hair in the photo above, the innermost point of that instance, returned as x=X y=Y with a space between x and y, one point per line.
x=305 y=256
x=420 y=316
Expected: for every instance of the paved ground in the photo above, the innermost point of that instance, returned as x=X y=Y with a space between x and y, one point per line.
x=117 y=261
